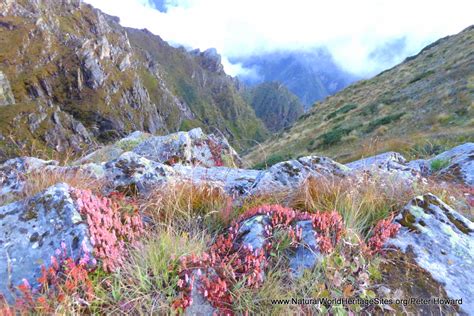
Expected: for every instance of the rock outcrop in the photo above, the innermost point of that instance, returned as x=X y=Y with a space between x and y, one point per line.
x=456 y=164
x=32 y=230
x=442 y=242
x=6 y=95
x=436 y=238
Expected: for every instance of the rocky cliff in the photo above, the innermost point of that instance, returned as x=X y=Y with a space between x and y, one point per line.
x=275 y=105
x=71 y=75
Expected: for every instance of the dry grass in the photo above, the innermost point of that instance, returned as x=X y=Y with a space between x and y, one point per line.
x=188 y=201
x=362 y=201
x=38 y=181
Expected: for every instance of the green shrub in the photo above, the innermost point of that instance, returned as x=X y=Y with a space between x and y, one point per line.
x=421 y=76
x=271 y=160
x=383 y=121
x=346 y=108
x=333 y=137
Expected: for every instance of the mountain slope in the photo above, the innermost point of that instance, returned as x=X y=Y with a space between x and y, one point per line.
x=275 y=105
x=419 y=105
x=311 y=76
x=71 y=75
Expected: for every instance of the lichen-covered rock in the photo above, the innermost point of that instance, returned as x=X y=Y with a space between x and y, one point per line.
x=307 y=254
x=33 y=229
x=291 y=174
x=6 y=95
x=389 y=164
x=133 y=172
x=191 y=148
x=234 y=181
x=459 y=163
x=111 y=152
x=13 y=172
x=442 y=242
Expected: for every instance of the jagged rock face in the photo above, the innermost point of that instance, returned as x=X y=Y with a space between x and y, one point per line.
x=70 y=59
x=442 y=242
x=6 y=95
x=33 y=229
x=209 y=59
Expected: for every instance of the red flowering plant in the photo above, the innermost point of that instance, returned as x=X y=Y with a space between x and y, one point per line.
x=113 y=222
x=383 y=230
x=228 y=262
x=64 y=279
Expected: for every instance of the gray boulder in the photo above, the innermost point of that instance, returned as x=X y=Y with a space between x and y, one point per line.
x=13 y=172
x=459 y=163
x=133 y=172
x=191 y=148
x=234 y=181
x=442 y=242
x=389 y=164
x=291 y=174
x=32 y=230
x=307 y=254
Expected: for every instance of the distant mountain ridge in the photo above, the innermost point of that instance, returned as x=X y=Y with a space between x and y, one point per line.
x=311 y=75
x=274 y=104
x=421 y=106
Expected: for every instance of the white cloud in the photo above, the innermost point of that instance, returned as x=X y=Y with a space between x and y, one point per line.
x=350 y=30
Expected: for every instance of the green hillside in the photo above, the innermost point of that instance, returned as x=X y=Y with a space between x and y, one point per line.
x=419 y=107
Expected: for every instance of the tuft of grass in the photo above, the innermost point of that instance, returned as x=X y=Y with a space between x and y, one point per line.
x=438 y=164
x=362 y=202
x=188 y=201
x=38 y=181
x=147 y=283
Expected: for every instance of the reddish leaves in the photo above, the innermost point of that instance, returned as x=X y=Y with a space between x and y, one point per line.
x=384 y=230
x=228 y=262
x=113 y=222
x=63 y=279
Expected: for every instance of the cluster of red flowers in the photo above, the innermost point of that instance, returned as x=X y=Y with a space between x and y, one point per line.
x=229 y=262
x=328 y=225
x=113 y=222
x=64 y=278
x=383 y=230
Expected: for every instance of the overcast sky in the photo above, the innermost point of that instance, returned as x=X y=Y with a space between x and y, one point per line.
x=363 y=36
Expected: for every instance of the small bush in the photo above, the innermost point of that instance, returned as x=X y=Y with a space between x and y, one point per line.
x=113 y=223
x=383 y=121
x=344 y=109
x=333 y=137
x=271 y=160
